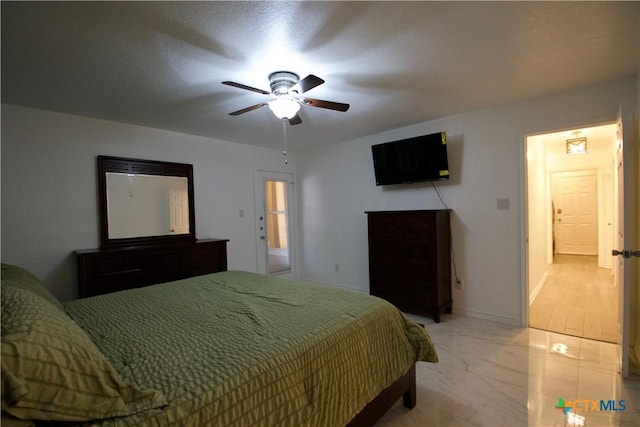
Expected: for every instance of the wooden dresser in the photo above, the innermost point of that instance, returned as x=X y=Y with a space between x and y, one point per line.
x=410 y=260
x=101 y=271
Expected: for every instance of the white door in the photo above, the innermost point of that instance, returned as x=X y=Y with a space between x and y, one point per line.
x=274 y=223
x=622 y=241
x=576 y=212
x=178 y=212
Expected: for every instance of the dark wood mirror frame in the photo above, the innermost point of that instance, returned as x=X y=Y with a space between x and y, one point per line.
x=146 y=167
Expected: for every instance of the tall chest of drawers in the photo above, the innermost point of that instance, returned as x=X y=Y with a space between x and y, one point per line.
x=410 y=260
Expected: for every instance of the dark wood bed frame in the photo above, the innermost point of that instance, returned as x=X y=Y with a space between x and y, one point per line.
x=404 y=387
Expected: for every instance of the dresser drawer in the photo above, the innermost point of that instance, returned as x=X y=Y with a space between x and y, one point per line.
x=118 y=263
x=205 y=260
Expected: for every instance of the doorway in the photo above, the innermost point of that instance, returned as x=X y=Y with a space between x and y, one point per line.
x=570 y=228
x=274 y=218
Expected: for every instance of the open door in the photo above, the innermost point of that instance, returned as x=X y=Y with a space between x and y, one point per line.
x=624 y=242
x=274 y=216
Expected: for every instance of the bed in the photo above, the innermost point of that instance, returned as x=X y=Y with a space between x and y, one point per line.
x=225 y=349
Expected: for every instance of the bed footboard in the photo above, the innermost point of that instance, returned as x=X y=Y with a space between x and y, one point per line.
x=404 y=387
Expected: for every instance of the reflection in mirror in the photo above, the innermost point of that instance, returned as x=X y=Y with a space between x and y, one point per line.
x=145 y=202
x=141 y=205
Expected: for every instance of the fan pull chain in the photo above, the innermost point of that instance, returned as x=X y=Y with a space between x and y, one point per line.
x=284 y=132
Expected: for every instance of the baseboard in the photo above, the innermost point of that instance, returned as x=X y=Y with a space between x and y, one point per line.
x=456 y=310
x=487 y=316
x=538 y=288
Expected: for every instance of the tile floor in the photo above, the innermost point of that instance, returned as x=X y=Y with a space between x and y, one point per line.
x=578 y=298
x=491 y=374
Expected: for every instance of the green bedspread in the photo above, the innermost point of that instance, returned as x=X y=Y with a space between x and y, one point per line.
x=242 y=349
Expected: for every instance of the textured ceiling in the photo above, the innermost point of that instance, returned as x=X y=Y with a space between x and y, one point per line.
x=161 y=64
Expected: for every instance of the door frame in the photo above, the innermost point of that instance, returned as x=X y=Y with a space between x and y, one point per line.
x=531 y=153
x=261 y=176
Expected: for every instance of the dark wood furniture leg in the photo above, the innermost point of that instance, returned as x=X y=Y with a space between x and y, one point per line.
x=409 y=398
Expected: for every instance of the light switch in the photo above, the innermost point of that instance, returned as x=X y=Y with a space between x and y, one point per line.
x=504 y=204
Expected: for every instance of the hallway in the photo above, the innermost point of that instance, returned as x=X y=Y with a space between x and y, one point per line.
x=578 y=298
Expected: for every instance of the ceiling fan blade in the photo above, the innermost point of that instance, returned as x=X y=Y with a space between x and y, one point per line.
x=241 y=86
x=295 y=120
x=306 y=84
x=246 y=110
x=338 y=106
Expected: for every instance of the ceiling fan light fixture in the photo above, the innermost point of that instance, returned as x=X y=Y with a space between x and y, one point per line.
x=284 y=107
x=287 y=87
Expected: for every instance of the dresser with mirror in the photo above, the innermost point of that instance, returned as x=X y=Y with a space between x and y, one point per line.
x=147 y=228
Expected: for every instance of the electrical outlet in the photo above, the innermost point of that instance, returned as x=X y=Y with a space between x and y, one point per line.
x=458 y=284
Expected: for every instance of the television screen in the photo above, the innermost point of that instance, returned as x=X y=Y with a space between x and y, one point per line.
x=422 y=158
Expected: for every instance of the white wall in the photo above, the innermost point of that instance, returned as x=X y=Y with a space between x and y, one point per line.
x=486 y=151
x=49 y=187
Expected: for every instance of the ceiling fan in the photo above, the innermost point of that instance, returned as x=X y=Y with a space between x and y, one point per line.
x=287 y=87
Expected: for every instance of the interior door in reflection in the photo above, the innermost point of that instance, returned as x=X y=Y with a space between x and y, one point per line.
x=179 y=212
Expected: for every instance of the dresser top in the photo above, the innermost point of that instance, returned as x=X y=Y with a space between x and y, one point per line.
x=150 y=247
x=408 y=211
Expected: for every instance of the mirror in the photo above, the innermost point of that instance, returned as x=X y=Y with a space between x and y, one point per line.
x=145 y=202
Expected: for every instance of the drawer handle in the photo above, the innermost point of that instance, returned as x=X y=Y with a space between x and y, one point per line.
x=115 y=273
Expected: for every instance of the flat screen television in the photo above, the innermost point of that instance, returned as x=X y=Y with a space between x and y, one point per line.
x=418 y=159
